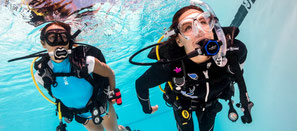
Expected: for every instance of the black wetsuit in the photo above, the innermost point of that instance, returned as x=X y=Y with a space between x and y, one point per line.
x=220 y=80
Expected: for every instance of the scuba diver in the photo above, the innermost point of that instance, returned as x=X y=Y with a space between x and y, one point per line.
x=201 y=62
x=77 y=76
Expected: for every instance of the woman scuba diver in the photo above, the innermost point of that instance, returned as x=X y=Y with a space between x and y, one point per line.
x=78 y=78
x=201 y=61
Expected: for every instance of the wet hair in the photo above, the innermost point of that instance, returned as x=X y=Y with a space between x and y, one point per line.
x=174 y=50
x=64 y=25
x=35 y=19
x=50 y=7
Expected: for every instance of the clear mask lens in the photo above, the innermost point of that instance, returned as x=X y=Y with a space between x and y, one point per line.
x=196 y=24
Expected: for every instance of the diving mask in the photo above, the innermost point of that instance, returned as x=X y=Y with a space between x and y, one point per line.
x=60 y=53
x=55 y=37
x=196 y=24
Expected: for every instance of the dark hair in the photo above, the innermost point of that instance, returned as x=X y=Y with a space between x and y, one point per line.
x=49 y=7
x=174 y=50
x=64 y=25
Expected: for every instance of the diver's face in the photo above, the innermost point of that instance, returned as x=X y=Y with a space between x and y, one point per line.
x=190 y=44
x=50 y=48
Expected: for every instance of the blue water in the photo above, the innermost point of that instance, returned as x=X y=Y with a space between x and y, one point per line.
x=123 y=27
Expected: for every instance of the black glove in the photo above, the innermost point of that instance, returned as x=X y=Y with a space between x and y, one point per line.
x=247 y=117
x=246 y=107
x=78 y=61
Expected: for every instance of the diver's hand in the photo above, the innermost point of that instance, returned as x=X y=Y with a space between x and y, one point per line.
x=246 y=108
x=247 y=117
x=154 y=108
x=115 y=96
x=113 y=101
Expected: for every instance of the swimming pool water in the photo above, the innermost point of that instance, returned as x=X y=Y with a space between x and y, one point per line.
x=121 y=28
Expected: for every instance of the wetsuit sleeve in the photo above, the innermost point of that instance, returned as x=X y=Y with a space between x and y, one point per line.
x=236 y=60
x=240 y=54
x=163 y=55
x=155 y=75
x=152 y=54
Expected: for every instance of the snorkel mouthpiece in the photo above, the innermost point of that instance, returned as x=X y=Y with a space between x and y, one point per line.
x=60 y=53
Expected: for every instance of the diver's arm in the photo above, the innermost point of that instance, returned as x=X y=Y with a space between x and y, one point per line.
x=104 y=70
x=155 y=75
x=236 y=60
